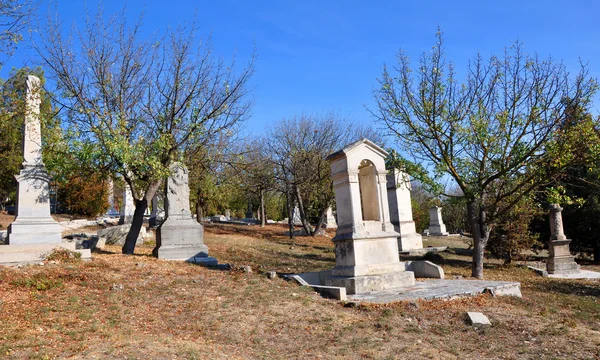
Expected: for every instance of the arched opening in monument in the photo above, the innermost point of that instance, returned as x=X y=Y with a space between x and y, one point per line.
x=367 y=182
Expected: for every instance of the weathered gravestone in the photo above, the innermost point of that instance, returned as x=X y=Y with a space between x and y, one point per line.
x=127 y=208
x=296 y=219
x=366 y=245
x=180 y=237
x=33 y=223
x=560 y=260
x=436 y=225
x=398 y=194
x=227 y=214
x=330 y=222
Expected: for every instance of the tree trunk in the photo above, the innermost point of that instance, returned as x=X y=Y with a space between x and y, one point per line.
x=320 y=222
x=290 y=211
x=597 y=253
x=480 y=232
x=263 y=219
x=305 y=224
x=136 y=226
x=138 y=217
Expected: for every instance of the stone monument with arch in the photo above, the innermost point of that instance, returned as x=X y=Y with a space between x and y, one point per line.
x=366 y=246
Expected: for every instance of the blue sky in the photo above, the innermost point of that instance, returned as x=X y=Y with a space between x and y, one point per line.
x=318 y=56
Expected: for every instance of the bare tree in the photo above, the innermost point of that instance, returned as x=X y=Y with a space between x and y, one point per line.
x=298 y=148
x=490 y=133
x=133 y=105
x=14 y=18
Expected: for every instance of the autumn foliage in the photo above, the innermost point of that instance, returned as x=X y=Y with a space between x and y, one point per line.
x=83 y=195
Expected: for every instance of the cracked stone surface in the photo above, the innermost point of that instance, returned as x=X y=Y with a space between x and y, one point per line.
x=441 y=289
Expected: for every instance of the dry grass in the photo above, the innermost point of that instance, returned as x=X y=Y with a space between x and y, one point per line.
x=138 y=307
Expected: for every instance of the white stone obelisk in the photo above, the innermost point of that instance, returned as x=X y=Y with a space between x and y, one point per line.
x=33 y=223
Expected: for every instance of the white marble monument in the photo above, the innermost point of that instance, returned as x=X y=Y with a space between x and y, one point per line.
x=127 y=207
x=330 y=222
x=33 y=223
x=436 y=224
x=560 y=260
x=180 y=237
x=366 y=245
x=398 y=193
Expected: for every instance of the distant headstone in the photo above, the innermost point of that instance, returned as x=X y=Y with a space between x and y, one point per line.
x=112 y=210
x=330 y=222
x=436 y=225
x=227 y=214
x=127 y=208
x=297 y=219
x=560 y=260
x=180 y=237
x=477 y=319
x=398 y=193
x=33 y=223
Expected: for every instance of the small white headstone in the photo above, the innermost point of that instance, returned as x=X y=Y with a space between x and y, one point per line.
x=477 y=319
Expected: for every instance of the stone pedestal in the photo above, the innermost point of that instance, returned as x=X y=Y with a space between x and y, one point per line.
x=560 y=260
x=398 y=194
x=366 y=245
x=436 y=225
x=127 y=208
x=180 y=237
x=33 y=223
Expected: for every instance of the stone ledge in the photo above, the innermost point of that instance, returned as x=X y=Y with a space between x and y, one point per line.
x=369 y=284
x=11 y=255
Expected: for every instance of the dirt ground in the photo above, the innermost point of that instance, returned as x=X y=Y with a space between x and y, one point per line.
x=138 y=307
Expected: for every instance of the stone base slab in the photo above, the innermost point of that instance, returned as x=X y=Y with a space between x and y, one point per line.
x=562 y=265
x=26 y=254
x=441 y=289
x=24 y=231
x=183 y=253
x=368 y=284
x=408 y=242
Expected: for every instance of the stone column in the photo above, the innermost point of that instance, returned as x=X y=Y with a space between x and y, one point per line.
x=560 y=260
x=111 y=197
x=33 y=223
x=398 y=193
x=436 y=225
x=180 y=237
x=127 y=208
